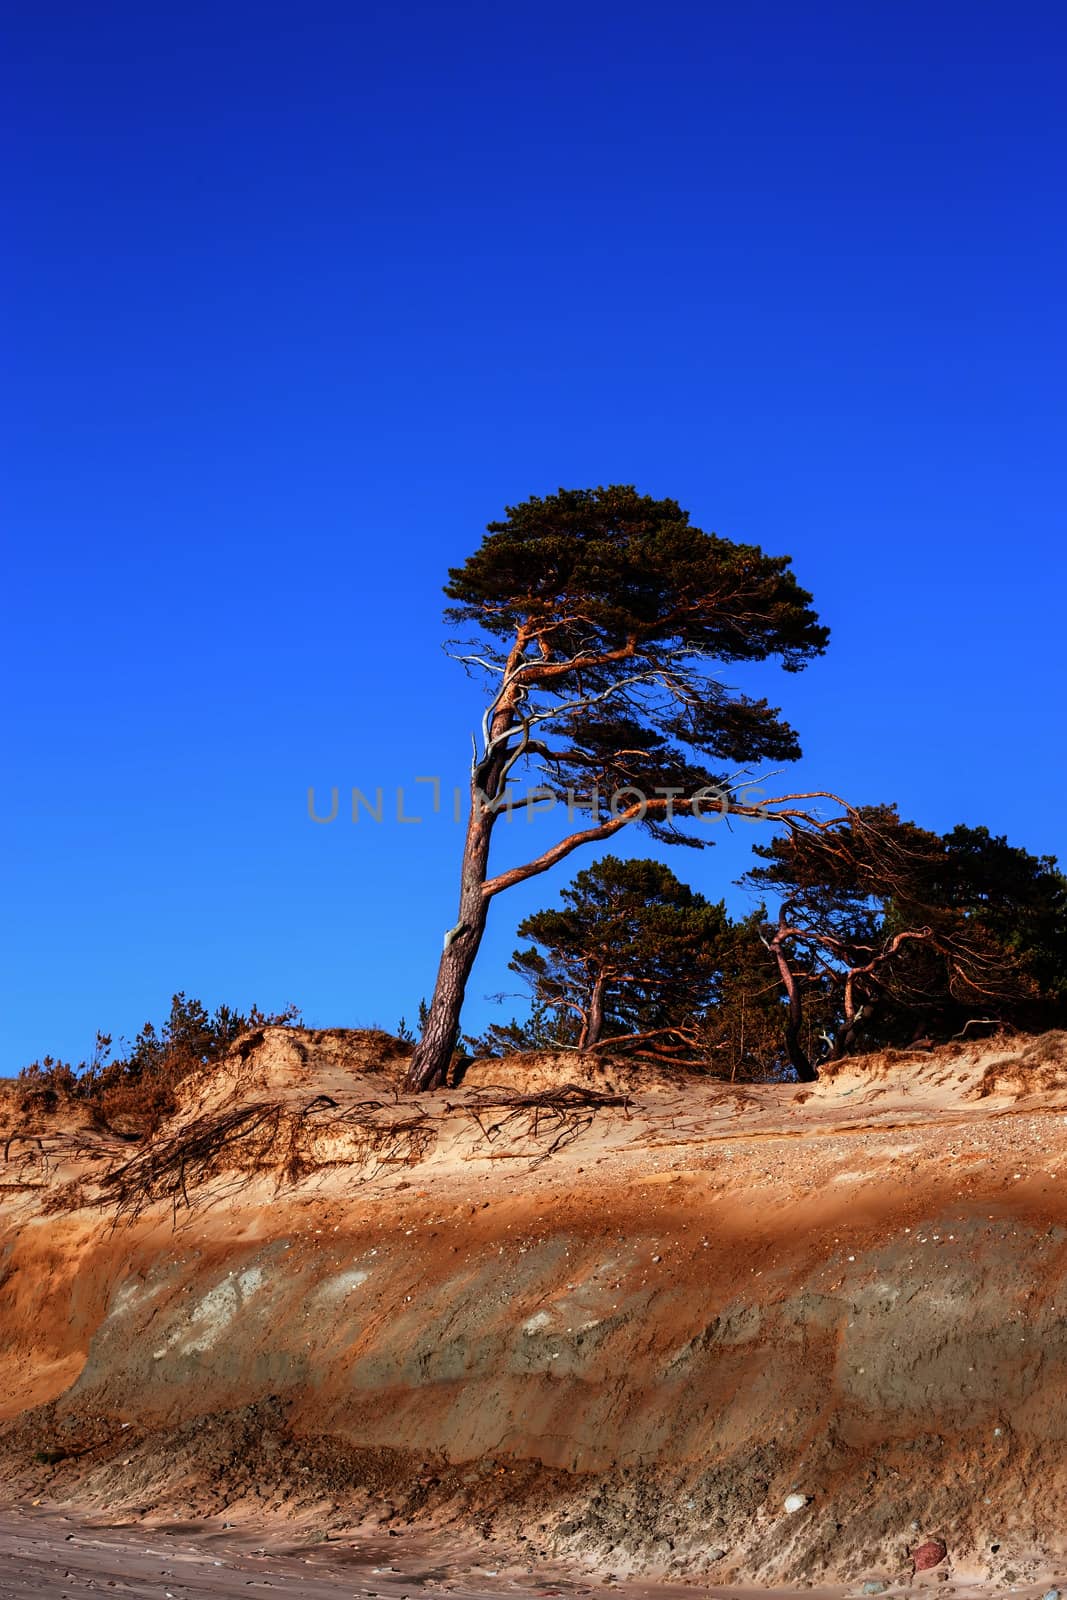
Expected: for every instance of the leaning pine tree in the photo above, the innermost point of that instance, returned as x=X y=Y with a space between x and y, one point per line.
x=602 y=616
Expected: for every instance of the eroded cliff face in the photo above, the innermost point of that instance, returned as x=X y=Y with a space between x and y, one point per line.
x=631 y=1351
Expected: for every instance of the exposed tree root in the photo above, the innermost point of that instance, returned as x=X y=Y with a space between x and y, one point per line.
x=561 y=1114
x=268 y=1137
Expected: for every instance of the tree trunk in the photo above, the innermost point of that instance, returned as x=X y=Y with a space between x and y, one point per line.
x=433 y=1057
x=798 y=1056
x=843 y=1035
x=805 y=1072
x=846 y=1034
x=594 y=1025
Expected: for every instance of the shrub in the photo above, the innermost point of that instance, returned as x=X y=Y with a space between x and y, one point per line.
x=131 y=1094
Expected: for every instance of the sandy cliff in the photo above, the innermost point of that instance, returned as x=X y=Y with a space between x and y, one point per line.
x=625 y=1332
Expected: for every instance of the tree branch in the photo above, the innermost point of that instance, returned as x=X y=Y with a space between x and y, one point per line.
x=656 y=806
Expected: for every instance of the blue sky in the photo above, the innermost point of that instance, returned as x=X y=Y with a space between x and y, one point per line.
x=301 y=297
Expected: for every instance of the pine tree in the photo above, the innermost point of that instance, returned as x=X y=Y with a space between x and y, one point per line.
x=602 y=619
x=899 y=933
x=631 y=951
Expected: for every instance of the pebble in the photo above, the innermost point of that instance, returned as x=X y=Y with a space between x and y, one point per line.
x=929 y=1554
x=795 y=1502
x=875 y=1586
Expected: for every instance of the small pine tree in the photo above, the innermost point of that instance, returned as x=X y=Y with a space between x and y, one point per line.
x=632 y=950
